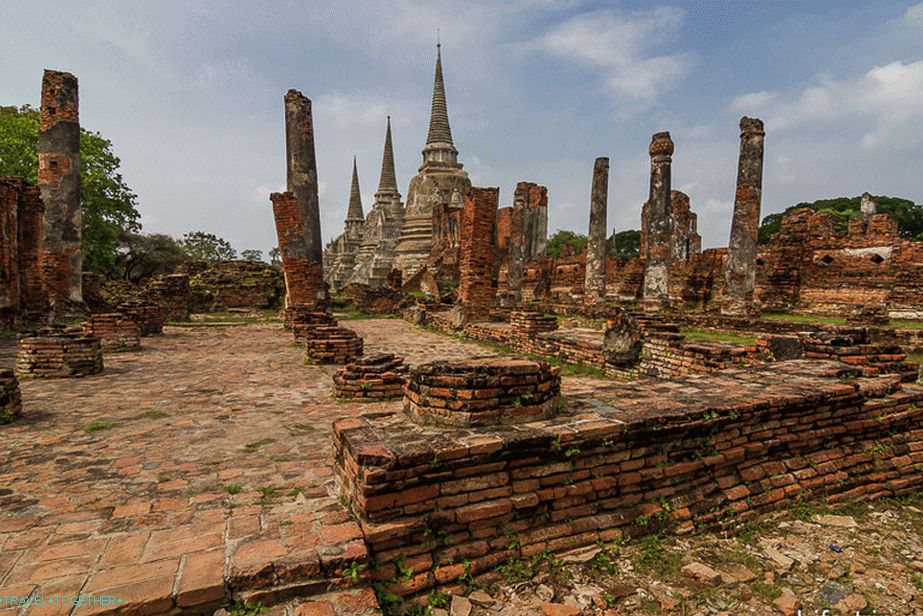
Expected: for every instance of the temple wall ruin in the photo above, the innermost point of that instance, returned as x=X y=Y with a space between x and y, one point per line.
x=726 y=448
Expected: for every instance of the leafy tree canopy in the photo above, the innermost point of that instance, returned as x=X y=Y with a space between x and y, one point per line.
x=207 y=246
x=565 y=242
x=251 y=255
x=142 y=256
x=624 y=244
x=909 y=215
x=109 y=207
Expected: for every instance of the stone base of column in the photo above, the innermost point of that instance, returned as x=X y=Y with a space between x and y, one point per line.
x=739 y=308
x=69 y=310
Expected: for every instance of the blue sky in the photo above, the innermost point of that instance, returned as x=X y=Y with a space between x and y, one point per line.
x=190 y=93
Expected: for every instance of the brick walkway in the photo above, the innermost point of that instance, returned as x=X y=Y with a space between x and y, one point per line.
x=193 y=469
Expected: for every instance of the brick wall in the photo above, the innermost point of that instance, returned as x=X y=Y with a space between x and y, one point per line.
x=688 y=454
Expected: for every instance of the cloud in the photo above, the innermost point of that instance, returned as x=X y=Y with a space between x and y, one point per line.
x=884 y=103
x=620 y=45
x=914 y=14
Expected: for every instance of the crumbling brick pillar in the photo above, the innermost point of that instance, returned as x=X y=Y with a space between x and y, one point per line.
x=297 y=211
x=477 y=286
x=59 y=182
x=740 y=273
x=33 y=294
x=595 y=281
x=304 y=277
x=528 y=231
x=659 y=226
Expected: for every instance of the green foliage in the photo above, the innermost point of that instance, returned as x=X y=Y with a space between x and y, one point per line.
x=563 y=242
x=7 y=416
x=140 y=256
x=624 y=244
x=251 y=255
x=354 y=571
x=98 y=426
x=207 y=247
x=109 y=207
x=275 y=255
x=247 y=609
x=233 y=488
x=909 y=215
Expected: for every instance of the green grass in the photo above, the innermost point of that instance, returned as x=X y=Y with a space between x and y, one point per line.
x=903 y=324
x=702 y=335
x=233 y=488
x=353 y=315
x=803 y=318
x=917 y=358
x=97 y=426
x=229 y=318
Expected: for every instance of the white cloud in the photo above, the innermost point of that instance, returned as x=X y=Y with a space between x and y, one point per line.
x=884 y=103
x=620 y=45
x=914 y=14
x=745 y=102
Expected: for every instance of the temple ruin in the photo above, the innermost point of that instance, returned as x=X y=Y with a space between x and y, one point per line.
x=434 y=405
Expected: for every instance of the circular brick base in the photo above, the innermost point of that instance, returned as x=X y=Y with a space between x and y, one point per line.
x=373 y=377
x=58 y=353
x=333 y=345
x=482 y=391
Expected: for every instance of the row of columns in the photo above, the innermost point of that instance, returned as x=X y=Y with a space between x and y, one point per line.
x=740 y=271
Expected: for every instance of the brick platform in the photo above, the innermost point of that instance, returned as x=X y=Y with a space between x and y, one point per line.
x=303 y=313
x=115 y=331
x=330 y=344
x=627 y=460
x=376 y=377
x=482 y=391
x=526 y=323
x=149 y=317
x=10 y=397
x=58 y=353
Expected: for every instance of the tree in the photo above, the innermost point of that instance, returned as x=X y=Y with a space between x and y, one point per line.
x=624 y=244
x=142 y=256
x=275 y=255
x=909 y=215
x=207 y=246
x=109 y=207
x=564 y=243
x=251 y=255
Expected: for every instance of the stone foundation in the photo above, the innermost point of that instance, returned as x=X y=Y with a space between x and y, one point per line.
x=304 y=322
x=330 y=344
x=115 y=331
x=58 y=353
x=10 y=398
x=483 y=391
x=527 y=323
x=374 y=377
x=172 y=294
x=149 y=317
x=706 y=451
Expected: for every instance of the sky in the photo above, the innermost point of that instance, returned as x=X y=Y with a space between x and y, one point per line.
x=191 y=95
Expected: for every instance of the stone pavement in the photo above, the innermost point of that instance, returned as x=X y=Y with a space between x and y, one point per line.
x=188 y=474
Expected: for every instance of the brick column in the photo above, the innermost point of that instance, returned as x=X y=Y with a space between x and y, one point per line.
x=477 y=286
x=304 y=277
x=34 y=296
x=594 y=288
x=740 y=273
x=302 y=184
x=59 y=182
x=659 y=226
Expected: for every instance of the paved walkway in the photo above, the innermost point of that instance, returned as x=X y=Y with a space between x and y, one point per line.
x=194 y=470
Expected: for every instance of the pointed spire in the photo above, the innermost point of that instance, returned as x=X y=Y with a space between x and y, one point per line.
x=439 y=130
x=355 y=197
x=388 y=182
